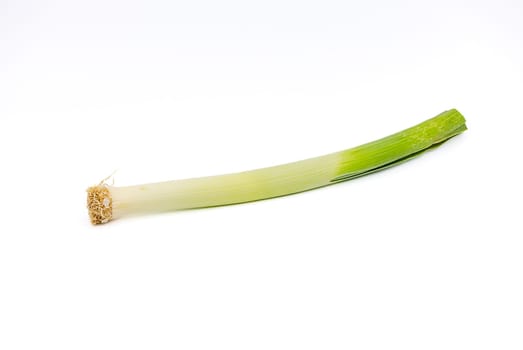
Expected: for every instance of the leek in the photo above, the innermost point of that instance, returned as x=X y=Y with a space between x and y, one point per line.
x=106 y=202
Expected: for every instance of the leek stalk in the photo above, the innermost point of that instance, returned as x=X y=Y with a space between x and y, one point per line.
x=107 y=202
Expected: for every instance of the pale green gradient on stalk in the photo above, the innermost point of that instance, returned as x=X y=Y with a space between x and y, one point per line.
x=288 y=178
x=226 y=189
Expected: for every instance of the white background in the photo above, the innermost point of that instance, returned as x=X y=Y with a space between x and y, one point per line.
x=428 y=255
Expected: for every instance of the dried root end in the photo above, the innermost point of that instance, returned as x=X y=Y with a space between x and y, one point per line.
x=100 y=204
